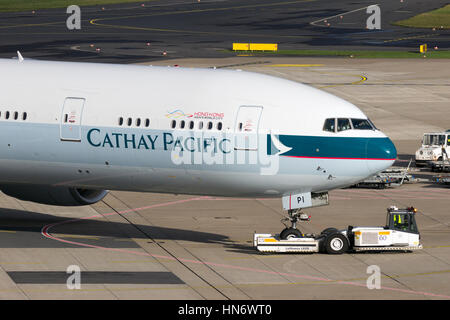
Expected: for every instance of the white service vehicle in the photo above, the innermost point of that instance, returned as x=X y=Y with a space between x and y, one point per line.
x=399 y=234
x=435 y=147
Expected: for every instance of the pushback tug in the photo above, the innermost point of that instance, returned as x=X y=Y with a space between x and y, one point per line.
x=399 y=234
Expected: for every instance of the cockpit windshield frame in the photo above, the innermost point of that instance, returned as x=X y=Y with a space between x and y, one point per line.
x=343 y=124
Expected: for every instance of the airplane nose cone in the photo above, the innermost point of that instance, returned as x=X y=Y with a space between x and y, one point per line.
x=381 y=154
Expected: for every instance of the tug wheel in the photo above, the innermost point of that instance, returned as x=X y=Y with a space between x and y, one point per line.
x=329 y=230
x=290 y=233
x=336 y=243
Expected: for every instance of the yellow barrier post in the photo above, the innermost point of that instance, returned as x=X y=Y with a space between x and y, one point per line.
x=423 y=48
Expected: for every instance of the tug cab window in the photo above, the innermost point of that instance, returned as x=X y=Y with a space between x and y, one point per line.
x=432 y=139
x=343 y=124
x=402 y=222
x=330 y=125
x=361 y=124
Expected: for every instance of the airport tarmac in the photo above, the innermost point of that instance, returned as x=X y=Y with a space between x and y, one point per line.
x=157 y=246
x=136 y=32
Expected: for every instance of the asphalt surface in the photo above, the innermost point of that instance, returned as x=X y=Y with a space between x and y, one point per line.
x=155 y=30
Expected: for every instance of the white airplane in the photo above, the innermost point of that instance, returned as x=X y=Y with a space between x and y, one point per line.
x=72 y=131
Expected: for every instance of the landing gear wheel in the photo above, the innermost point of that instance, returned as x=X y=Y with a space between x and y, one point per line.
x=336 y=243
x=290 y=233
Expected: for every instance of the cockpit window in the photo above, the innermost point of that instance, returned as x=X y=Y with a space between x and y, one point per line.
x=343 y=124
x=372 y=124
x=329 y=125
x=361 y=124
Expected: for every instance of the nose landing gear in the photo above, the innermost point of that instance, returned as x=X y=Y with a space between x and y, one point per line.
x=292 y=232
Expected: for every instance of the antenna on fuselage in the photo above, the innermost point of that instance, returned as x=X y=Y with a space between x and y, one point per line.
x=19 y=56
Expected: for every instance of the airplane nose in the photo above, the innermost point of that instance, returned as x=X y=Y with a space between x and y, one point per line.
x=381 y=154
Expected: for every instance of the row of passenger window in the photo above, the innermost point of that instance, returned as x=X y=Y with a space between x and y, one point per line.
x=342 y=124
x=13 y=115
x=137 y=122
x=191 y=125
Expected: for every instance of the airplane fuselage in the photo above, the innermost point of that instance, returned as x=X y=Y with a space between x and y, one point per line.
x=178 y=130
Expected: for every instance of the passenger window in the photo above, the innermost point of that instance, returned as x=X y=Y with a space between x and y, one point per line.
x=182 y=124
x=16 y=115
x=330 y=125
x=7 y=115
x=240 y=126
x=130 y=121
x=147 y=122
x=24 y=116
x=120 y=121
x=219 y=126
x=138 y=122
x=361 y=124
x=210 y=125
x=174 y=124
x=343 y=124
x=200 y=125
x=191 y=125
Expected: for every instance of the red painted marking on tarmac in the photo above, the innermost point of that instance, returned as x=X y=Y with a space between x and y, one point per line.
x=46 y=228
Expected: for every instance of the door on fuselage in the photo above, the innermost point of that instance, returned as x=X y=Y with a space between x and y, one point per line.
x=247 y=128
x=70 y=125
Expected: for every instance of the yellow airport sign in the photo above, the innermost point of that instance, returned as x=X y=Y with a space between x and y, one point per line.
x=255 y=46
x=263 y=47
x=241 y=46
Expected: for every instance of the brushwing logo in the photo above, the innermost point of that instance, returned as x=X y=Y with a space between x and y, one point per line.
x=280 y=148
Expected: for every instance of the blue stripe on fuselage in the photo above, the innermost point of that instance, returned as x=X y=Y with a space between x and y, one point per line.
x=336 y=147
